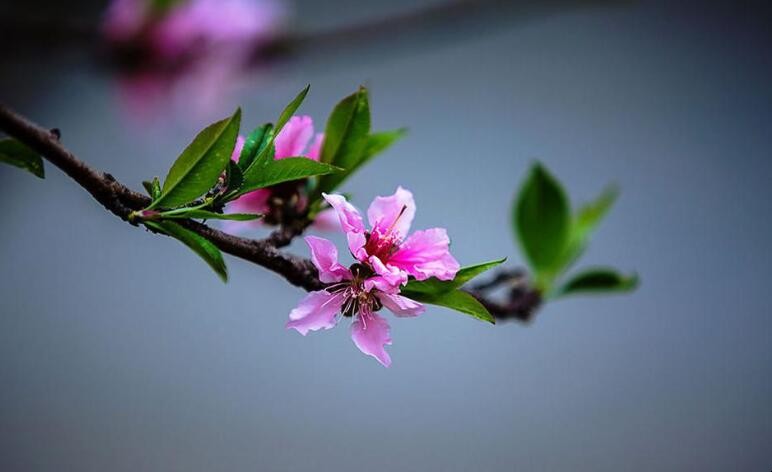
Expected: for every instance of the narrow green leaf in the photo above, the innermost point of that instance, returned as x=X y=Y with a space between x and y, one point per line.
x=586 y=220
x=200 y=164
x=456 y=300
x=200 y=245
x=17 y=154
x=148 y=186
x=290 y=109
x=542 y=221
x=211 y=215
x=599 y=280
x=283 y=170
x=346 y=136
x=257 y=140
x=464 y=275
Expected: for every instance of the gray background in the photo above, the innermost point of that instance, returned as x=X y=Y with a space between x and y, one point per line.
x=122 y=351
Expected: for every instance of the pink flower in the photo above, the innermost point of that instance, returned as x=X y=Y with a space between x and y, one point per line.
x=192 y=25
x=296 y=139
x=353 y=292
x=387 y=248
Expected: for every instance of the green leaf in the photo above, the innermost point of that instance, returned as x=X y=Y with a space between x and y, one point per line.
x=200 y=164
x=464 y=275
x=346 y=137
x=17 y=154
x=290 y=109
x=374 y=145
x=542 y=221
x=283 y=170
x=211 y=215
x=599 y=280
x=152 y=187
x=586 y=220
x=454 y=299
x=234 y=177
x=200 y=245
x=255 y=143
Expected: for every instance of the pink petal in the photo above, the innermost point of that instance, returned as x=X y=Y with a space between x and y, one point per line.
x=238 y=148
x=316 y=311
x=426 y=254
x=393 y=275
x=370 y=333
x=356 y=244
x=384 y=211
x=401 y=306
x=252 y=202
x=316 y=147
x=350 y=219
x=324 y=255
x=294 y=137
x=326 y=220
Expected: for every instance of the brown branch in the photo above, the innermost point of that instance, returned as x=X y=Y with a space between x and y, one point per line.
x=520 y=304
x=121 y=201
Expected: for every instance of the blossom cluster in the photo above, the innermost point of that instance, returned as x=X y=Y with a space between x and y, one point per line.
x=385 y=258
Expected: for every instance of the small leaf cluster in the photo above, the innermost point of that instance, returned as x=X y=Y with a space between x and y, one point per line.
x=204 y=178
x=553 y=237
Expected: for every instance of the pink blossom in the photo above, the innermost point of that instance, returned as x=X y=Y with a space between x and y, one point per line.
x=387 y=248
x=353 y=292
x=186 y=26
x=296 y=139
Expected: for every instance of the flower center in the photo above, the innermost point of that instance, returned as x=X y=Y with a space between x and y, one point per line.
x=356 y=298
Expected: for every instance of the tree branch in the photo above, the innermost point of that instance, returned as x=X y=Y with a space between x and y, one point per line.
x=121 y=201
x=520 y=304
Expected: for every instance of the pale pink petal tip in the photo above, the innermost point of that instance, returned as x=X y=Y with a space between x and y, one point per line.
x=371 y=334
x=316 y=311
x=395 y=212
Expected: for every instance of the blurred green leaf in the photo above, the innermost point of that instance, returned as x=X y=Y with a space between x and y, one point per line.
x=454 y=299
x=599 y=280
x=542 y=222
x=200 y=245
x=464 y=275
x=199 y=166
x=17 y=154
x=255 y=143
x=586 y=220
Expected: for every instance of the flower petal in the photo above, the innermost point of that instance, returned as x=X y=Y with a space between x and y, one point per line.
x=324 y=255
x=326 y=220
x=238 y=148
x=350 y=219
x=370 y=333
x=393 y=275
x=293 y=138
x=316 y=147
x=252 y=202
x=401 y=306
x=316 y=311
x=394 y=212
x=426 y=254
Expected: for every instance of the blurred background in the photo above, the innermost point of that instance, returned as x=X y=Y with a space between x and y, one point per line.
x=120 y=350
